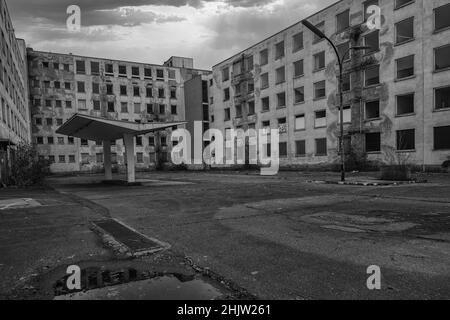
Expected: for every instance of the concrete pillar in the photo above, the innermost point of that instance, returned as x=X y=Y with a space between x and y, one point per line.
x=107 y=159
x=128 y=140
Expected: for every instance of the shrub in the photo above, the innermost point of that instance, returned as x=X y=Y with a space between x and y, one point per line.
x=26 y=167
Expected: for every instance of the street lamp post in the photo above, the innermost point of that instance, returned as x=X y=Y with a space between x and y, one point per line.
x=340 y=60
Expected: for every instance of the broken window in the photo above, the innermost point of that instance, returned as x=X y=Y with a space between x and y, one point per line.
x=319 y=90
x=66 y=67
x=136 y=91
x=49 y=121
x=122 y=71
x=149 y=92
x=442 y=98
x=95 y=88
x=173 y=93
x=343 y=50
x=81 y=67
x=281 y=100
x=405 y=104
x=321 y=27
x=442 y=57
x=297 y=41
x=225 y=74
x=319 y=61
x=123 y=90
x=39 y=140
x=280 y=75
x=80 y=86
x=401 y=3
x=95 y=68
x=300 y=148
x=68 y=104
x=161 y=93
x=264 y=57
x=298 y=69
x=265 y=80
x=406 y=140
x=405 y=67
x=84 y=142
x=97 y=105
x=109 y=68
x=373 y=142
x=283 y=149
x=57 y=85
x=82 y=104
x=372 y=110
x=238 y=111
x=299 y=95
x=343 y=21
x=51 y=159
x=249 y=63
x=226 y=94
x=442 y=138
x=321 y=147
x=135 y=72
x=265 y=103
x=111 y=107
x=404 y=30
x=71 y=158
x=227 y=114
x=139 y=141
x=372 y=76
x=346 y=84
x=58 y=104
x=300 y=122
x=372 y=40
x=173 y=109
x=250 y=86
x=251 y=108
x=67 y=85
x=147 y=73
x=279 y=50
x=162 y=109
x=160 y=74
x=109 y=89
x=320 y=120
x=139 y=157
x=50 y=140
x=441 y=17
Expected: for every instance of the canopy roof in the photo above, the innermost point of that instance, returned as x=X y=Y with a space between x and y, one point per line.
x=97 y=129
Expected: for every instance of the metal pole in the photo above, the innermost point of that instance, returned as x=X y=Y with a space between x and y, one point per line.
x=341 y=104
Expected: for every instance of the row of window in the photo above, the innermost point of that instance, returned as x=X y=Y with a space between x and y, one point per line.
x=139 y=142
x=111 y=69
x=99 y=158
x=12 y=121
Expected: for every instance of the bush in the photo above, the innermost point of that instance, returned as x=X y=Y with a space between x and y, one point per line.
x=396 y=173
x=26 y=167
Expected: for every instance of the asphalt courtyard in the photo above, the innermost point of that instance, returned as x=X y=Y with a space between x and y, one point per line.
x=277 y=237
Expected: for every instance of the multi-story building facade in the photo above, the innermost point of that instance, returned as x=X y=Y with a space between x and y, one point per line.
x=64 y=84
x=14 y=111
x=397 y=93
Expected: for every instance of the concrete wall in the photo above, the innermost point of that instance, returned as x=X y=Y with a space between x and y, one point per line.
x=422 y=84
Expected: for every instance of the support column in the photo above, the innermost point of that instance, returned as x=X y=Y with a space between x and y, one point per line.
x=107 y=159
x=128 y=140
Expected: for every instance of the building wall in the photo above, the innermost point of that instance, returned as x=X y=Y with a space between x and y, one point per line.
x=77 y=156
x=14 y=112
x=422 y=84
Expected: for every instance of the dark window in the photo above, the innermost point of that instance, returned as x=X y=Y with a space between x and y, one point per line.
x=68 y=104
x=265 y=102
x=109 y=68
x=173 y=93
x=225 y=74
x=135 y=72
x=373 y=110
x=111 y=107
x=160 y=74
x=264 y=57
x=71 y=140
x=404 y=30
x=96 y=88
x=343 y=50
x=320 y=120
x=109 y=89
x=405 y=104
x=442 y=57
x=299 y=95
x=173 y=109
x=298 y=68
x=346 y=85
x=401 y=3
x=57 y=85
x=136 y=91
x=319 y=61
x=151 y=141
x=149 y=92
x=62 y=159
x=162 y=108
x=297 y=42
x=442 y=98
x=84 y=142
x=373 y=142
x=319 y=90
x=372 y=76
x=227 y=114
x=406 y=139
x=81 y=67
x=251 y=108
x=405 y=67
x=300 y=148
x=283 y=149
x=280 y=75
x=67 y=85
x=96 y=105
x=139 y=141
x=95 y=68
x=279 y=50
x=442 y=138
x=226 y=94
x=372 y=40
x=122 y=71
x=281 y=99
x=264 y=80
x=238 y=111
x=441 y=17
x=161 y=93
x=147 y=72
x=80 y=86
x=123 y=90
x=343 y=21
x=50 y=140
x=321 y=147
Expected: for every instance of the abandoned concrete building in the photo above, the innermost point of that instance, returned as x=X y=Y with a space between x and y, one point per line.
x=397 y=93
x=64 y=84
x=14 y=111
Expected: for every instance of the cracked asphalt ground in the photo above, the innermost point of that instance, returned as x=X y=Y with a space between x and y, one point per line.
x=277 y=237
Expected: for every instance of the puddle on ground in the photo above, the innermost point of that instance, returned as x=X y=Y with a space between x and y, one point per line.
x=131 y=284
x=160 y=288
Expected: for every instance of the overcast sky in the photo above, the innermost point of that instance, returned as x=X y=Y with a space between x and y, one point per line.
x=153 y=30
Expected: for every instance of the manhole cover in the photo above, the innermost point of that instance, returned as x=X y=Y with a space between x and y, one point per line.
x=132 y=239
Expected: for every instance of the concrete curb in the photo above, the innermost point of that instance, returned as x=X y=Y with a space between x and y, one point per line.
x=368 y=184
